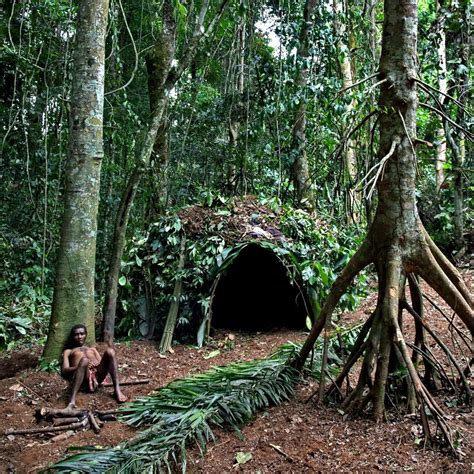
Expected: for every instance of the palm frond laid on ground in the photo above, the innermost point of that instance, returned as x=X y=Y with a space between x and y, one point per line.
x=184 y=411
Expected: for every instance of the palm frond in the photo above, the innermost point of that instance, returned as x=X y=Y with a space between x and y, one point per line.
x=184 y=411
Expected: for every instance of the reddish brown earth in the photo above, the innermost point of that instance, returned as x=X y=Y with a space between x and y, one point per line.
x=294 y=437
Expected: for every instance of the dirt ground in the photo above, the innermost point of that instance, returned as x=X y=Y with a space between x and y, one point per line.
x=298 y=436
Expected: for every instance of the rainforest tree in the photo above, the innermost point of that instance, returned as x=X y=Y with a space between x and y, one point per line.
x=397 y=245
x=167 y=69
x=299 y=166
x=73 y=300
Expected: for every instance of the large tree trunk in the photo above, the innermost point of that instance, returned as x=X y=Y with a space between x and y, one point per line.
x=398 y=246
x=299 y=167
x=73 y=300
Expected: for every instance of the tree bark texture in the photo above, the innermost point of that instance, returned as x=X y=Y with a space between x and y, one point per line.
x=465 y=97
x=73 y=300
x=167 y=337
x=350 y=158
x=443 y=88
x=299 y=167
x=235 y=172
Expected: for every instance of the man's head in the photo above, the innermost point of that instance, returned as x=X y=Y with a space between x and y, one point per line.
x=78 y=335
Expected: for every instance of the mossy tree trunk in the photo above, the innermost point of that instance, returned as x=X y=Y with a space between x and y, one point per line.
x=73 y=300
x=399 y=248
x=349 y=152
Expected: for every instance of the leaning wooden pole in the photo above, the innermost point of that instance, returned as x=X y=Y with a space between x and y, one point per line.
x=167 y=338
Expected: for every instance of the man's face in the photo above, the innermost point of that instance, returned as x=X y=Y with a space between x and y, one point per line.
x=79 y=336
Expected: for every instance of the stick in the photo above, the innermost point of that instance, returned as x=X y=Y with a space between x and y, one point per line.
x=111 y=412
x=279 y=450
x=324 y=362
x=61 y=412
x=375 y=74
x=65 y=421
x=127 y=382
x=425 y=84
x=452 y=122
x=31 y=390
x=48 y=429
x=62 y=436
x=93 y=423
x=107 y=418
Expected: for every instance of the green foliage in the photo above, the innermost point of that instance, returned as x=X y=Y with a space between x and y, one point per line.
x=24 y=305
x=320 y=251
x=313 y=253
x=35 y=86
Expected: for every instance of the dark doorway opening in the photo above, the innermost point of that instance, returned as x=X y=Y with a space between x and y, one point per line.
x=255 y=294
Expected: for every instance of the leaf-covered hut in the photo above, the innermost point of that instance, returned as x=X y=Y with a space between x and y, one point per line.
x=237 y=264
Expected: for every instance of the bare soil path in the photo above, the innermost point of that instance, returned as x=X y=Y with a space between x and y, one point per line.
x=294 y=437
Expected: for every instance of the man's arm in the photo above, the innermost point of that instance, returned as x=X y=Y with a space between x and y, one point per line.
x=67 y=369
x=95 y=360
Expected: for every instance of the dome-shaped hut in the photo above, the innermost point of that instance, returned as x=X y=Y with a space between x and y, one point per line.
x=238 y=265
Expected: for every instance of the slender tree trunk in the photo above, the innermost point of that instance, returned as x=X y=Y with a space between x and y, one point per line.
x=350 y=158
x=161 y=165
x=167 y=77
x=118 y=244
x=235 y=172
x=300 y=168
x=158 y=66
x=73 y=300
x=372 y=6
x=167 y=337
x=465 y=96
x=160 y=157
x=443 y=88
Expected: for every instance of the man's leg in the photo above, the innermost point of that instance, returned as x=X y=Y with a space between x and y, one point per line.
x=77 y=380
x=108 y=364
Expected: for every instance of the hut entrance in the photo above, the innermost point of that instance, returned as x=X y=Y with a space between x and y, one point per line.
x=255 y=294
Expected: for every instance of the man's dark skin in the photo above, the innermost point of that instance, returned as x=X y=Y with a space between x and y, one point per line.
x=87 y=368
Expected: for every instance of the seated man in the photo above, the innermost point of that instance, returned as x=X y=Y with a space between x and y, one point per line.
x=86 y=368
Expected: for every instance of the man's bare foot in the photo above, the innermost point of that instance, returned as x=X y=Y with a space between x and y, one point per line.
x=120 y=397
x=71 y=406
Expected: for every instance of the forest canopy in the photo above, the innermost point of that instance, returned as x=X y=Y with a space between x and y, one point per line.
x=199 y=103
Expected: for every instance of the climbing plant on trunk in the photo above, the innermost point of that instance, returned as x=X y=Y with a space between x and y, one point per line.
x=73 y=300
x=399 y=248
